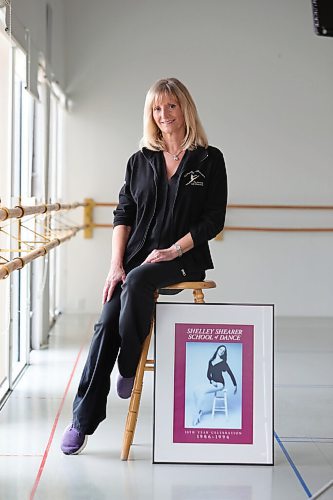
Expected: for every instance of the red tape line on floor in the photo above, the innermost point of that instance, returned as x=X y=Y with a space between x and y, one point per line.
x=47 y=449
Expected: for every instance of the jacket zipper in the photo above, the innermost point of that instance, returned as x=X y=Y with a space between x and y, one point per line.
x=137 y=250
x=174 y=202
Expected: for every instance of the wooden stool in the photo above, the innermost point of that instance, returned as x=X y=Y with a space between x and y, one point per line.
x=148 y=364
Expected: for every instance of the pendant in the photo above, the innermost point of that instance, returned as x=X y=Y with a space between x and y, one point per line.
x=176 y=157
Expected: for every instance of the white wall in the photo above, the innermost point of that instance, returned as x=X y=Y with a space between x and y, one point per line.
x=262 y=81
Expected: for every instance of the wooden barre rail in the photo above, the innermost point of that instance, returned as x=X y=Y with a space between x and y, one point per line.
x=280 y=229
x=90 y=204
x=19 y=262
x=262 y=229
x=20 y=211
x=240 y=206
x=283 y=207
x=258 y=228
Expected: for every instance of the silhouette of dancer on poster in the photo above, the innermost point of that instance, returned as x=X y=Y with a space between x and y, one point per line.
x=217 y=365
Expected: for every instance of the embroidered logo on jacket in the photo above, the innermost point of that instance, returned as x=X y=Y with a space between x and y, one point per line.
x=195 y=178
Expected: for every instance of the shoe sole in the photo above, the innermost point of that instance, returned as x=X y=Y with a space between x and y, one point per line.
x=82 y=447
x=77 y=451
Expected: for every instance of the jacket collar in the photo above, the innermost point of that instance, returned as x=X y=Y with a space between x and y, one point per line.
x=193 y=157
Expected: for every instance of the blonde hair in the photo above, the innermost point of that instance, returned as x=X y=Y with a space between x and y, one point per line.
x=194 y=131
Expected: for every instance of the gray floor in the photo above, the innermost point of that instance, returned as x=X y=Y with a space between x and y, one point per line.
x=32 y=421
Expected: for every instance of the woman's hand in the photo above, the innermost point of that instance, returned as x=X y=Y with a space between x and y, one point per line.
x=162 y=255
x=115 y=275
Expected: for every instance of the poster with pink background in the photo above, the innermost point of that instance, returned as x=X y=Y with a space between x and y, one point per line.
x=213 y=362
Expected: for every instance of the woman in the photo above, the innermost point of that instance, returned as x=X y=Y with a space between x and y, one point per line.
x=172 y=202
x=216 y=366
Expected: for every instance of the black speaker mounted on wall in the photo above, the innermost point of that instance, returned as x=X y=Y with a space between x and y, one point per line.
x=323 y=17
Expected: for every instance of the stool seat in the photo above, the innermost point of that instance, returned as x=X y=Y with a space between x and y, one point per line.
x=148 y=364
x=196 y=286
x=190 y=285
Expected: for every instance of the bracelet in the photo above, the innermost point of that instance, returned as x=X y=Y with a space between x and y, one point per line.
x=179 y=249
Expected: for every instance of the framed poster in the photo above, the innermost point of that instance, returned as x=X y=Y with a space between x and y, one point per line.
x=213 y=397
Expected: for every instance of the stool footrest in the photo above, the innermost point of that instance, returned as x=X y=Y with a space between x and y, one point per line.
x=150 y=365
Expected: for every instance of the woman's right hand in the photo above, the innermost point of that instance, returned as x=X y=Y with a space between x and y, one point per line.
x=115 y=275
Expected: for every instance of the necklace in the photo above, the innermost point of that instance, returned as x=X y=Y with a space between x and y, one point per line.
x=175 y=156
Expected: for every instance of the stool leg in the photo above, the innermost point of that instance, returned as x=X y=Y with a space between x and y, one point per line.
x=214 y=406
x=225 y=404
x=198 y=296
x=134 y=405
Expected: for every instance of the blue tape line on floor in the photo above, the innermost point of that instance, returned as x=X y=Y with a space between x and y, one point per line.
x=293 y=466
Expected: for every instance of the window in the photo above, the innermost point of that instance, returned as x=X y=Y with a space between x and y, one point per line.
x=5 y=127
x=30 y=143
x=23 y=109
x=55 y=195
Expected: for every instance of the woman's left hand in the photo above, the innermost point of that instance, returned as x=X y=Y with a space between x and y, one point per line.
x=162 y=255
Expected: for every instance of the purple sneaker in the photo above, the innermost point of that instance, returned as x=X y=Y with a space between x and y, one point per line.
x=73 y=441
x=125 y=386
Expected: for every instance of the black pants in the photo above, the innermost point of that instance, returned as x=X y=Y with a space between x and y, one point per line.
x=120 y=331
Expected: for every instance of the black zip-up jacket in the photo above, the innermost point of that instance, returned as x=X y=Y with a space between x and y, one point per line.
x=199 y=206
